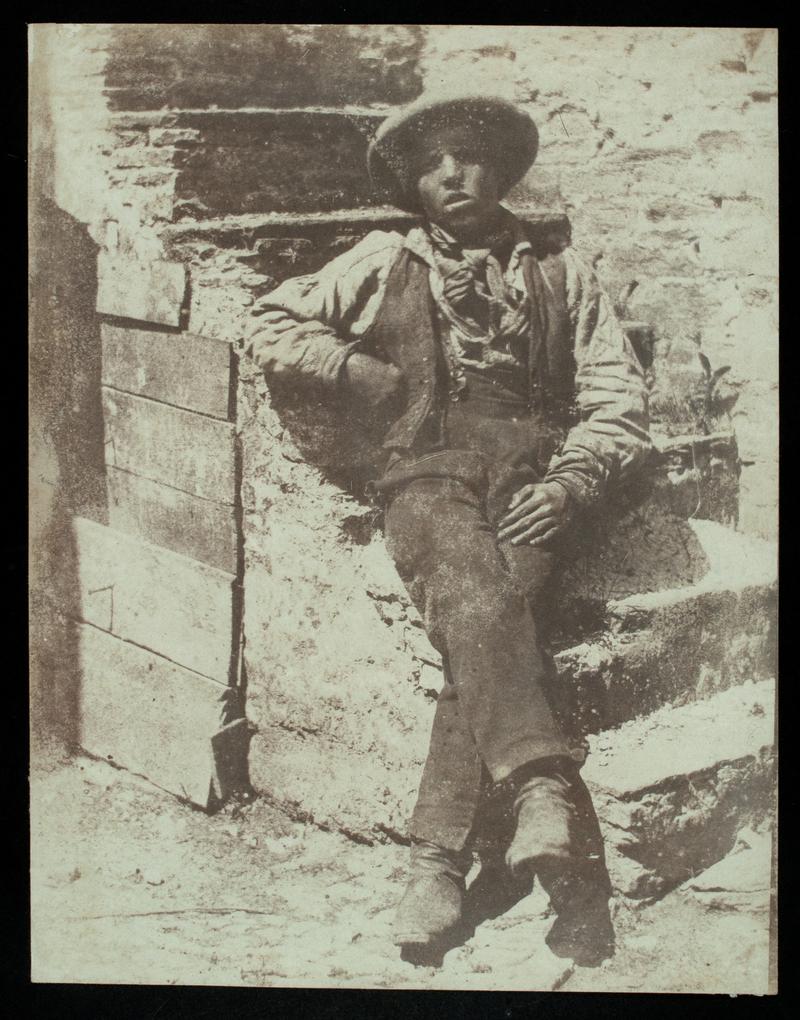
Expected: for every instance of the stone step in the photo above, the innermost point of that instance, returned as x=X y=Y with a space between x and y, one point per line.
x=722 y=922
x=672 y=790
x=692 y=610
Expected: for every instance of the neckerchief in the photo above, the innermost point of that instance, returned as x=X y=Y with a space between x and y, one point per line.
x=500 y=336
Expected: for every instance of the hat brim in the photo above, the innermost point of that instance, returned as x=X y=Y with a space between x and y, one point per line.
x=512 y=129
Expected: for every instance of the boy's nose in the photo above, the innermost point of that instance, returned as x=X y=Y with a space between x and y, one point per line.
x=451 y=169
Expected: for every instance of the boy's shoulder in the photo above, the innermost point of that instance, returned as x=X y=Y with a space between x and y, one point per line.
x=376 y=245
x=566 y=269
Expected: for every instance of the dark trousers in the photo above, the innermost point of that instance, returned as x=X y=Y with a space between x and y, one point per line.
x=483 y=604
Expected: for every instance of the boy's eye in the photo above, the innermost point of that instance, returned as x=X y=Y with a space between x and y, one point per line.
x=465 y=156
x=431 y=160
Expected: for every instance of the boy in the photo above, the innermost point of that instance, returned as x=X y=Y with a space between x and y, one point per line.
x=507 y=400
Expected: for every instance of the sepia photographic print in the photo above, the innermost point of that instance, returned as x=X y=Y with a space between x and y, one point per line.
x=403 y=506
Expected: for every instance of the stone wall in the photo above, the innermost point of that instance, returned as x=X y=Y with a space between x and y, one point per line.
x=234 y=150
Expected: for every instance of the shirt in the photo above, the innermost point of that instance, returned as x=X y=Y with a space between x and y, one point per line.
x=488 y=333
x=304 y=330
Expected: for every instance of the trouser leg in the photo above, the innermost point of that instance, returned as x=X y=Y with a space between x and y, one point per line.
x=453 y=778
x=478 y=617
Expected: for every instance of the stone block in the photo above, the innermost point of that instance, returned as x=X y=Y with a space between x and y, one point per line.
x=647 y=549
x=322 y=781
x=199 y=528
x=740 y=881
x=273 y=161
x=167 y=603
x=683 y=653
x=149 y=715
x=188 y=371
x=170 y=136
x=700 y=476
x=673 y=789
x=148 y=291
x=139 y=157
x=189 y=451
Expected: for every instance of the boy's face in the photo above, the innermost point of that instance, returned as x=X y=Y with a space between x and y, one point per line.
x=457 y=181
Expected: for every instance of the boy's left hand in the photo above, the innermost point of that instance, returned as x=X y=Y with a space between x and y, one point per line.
x=537 y=513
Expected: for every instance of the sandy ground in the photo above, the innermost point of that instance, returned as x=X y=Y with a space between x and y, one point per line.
x=131 y=886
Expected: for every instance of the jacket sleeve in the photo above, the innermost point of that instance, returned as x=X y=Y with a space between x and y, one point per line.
x=304 y=330
x=611 y=439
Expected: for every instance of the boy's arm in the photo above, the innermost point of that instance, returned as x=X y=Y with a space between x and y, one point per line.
x=305 y=330
x=612 y=437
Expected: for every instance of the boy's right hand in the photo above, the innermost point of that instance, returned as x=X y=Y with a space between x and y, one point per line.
x=371 y=384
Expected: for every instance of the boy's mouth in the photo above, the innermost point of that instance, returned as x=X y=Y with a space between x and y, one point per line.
x=458 y=200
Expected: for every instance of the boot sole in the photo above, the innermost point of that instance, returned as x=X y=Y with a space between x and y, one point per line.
x=422 y=941
x=432 y=952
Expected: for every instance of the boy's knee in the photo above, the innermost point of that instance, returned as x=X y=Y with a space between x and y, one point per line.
x=476 y=601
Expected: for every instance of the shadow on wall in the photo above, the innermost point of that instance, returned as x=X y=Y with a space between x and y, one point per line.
x=67 y=472
x=325 y=435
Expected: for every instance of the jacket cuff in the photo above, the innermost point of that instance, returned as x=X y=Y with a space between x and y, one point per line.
x=346 y=351
x=585 y=491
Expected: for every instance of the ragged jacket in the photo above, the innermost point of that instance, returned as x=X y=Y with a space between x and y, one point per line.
x=305 y=330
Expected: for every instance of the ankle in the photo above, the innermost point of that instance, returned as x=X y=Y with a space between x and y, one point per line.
x=433 y=857
x=561 y=768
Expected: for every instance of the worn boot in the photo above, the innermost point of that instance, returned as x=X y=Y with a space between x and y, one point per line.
x=432 y=903
x=544 y=810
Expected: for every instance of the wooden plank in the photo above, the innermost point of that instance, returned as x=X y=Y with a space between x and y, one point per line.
x=149 y=291
x=161 y=600
x=168 y=444
x=147 y=714
x=199 y=528
x=189 y=371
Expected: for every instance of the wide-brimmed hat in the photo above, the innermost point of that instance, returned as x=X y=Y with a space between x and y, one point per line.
x=512 y=134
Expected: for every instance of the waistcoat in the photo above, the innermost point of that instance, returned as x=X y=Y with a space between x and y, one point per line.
x=406 y=333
